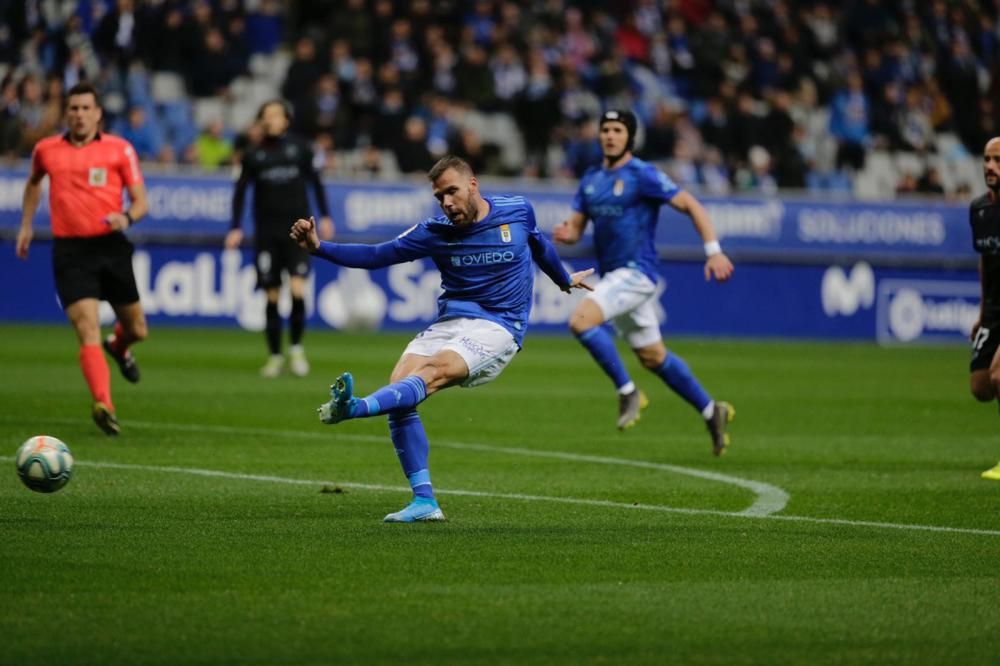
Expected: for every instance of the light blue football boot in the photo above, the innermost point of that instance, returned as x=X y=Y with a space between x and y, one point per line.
x=342 y=401
x=421 y=509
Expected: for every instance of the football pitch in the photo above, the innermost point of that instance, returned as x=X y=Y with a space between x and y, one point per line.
x=847 y=523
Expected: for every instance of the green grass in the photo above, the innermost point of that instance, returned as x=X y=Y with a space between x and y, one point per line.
x=143 y=566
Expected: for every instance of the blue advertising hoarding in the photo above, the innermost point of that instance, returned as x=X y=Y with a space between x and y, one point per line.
x=191 y=285
x=199 y=208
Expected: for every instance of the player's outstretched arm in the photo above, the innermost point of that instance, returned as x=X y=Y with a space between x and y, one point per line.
x=717 y=264
x=351 y=255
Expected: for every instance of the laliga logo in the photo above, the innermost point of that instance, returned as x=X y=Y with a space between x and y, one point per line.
x=843 y=294
x=210 y=285
x=906 y=315
x=912 y=314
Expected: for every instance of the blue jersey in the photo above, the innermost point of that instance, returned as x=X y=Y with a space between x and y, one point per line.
x=624 y=204
x=487 y=268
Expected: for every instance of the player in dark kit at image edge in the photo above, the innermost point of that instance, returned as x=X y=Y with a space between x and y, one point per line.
x=984 y=216
x=279 y=167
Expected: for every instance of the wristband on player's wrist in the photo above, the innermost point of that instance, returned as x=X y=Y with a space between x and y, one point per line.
x=128 y=216
x=712 y=248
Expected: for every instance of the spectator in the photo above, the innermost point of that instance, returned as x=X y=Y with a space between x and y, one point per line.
x=302 y=73
x=960 y=83
x=115 y=37
x=392 y=115
x=915 y=129
x=216 y=68
x=583 y=150
x=576 y=101
x=10 y=123
x=849 y=123
x=660 y=135
x=411 y=153
x=39 y=117
x=169 y=53
x=326 y=112
x=535 y=113
x=212 y=147
x=145 y=135
x=930 y=182
x=509 y=77
x=473 y=78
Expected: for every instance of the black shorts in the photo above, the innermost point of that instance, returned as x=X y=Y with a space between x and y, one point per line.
x=985 y=343
x=98 y=267
x=276 y=254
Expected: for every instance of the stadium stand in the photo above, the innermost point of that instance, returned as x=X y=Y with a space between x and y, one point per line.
x=878 y=99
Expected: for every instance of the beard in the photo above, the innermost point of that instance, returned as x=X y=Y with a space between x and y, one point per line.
x=468 y=213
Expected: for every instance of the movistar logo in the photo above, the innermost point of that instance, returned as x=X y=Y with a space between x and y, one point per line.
x=844 y=294
x=482 y=258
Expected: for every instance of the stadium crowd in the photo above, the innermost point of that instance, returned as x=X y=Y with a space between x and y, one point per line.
x=734 y=95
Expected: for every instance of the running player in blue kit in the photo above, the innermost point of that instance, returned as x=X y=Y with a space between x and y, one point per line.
x=623 y=198
x=485 y=248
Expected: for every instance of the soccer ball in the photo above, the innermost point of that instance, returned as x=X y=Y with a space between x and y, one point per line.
x=44 y=464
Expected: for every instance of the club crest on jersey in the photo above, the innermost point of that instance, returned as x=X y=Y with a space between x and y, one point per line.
x=97 y=176
x=619 y=187
x=505 y=233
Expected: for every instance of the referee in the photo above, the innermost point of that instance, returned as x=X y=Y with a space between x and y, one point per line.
x=91 y=257
x=279 y=168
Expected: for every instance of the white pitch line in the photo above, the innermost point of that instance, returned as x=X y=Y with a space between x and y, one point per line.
x=769 y=499
x=534 y=498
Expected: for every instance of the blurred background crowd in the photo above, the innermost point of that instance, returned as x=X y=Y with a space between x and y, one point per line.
x=864 y=96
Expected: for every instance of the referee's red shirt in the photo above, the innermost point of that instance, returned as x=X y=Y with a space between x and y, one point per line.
x=85 y=183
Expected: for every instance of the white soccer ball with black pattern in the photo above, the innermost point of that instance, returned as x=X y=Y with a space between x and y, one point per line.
x=44 y=464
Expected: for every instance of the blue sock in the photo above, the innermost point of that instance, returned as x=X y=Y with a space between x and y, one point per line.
x=676 y=373
x=412 y=447
x=601 y=346
x=404 y=395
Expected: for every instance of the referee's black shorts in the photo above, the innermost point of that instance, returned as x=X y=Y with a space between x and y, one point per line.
x=99 y=267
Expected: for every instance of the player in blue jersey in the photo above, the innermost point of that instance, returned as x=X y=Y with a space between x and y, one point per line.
x=485 y=248
x=623 y=198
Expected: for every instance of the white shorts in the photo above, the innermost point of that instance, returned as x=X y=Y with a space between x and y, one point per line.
x=625 y=296
x=485 y=347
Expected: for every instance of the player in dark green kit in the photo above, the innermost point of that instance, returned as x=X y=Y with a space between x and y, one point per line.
x=984 y=216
